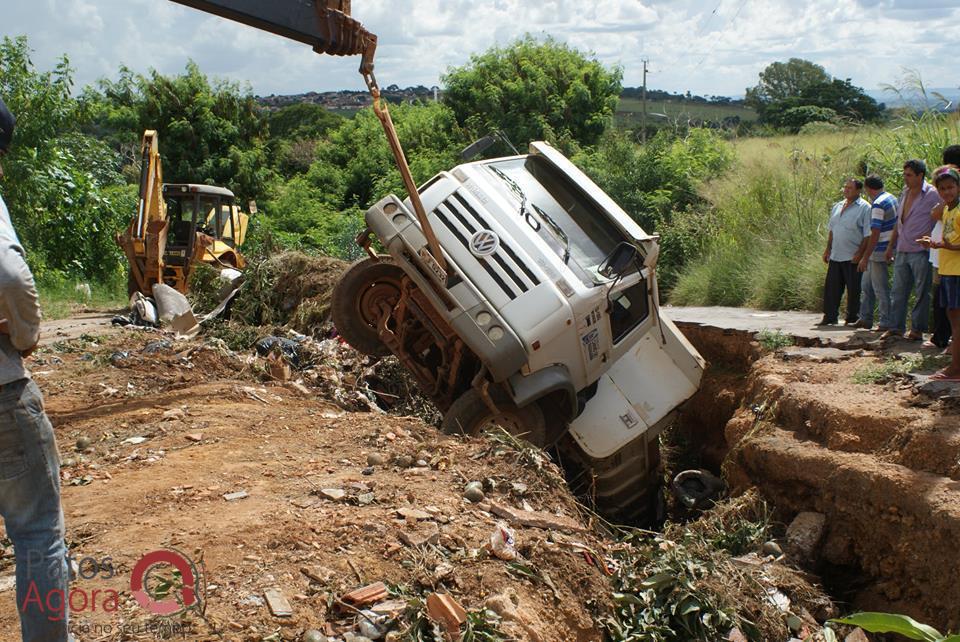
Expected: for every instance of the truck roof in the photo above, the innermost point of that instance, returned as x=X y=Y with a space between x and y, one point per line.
x=213 y=190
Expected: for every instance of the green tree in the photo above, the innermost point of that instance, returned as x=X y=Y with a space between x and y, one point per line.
x=63 y=188
x=210 y=132
x=785 y=86
x=534 y=90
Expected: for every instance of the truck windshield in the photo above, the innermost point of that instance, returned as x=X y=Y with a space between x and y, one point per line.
x=554 y=201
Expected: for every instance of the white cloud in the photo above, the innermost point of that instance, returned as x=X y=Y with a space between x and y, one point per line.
x=706 y=46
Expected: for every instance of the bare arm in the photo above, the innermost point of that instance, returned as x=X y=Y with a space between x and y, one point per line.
x=826 y=253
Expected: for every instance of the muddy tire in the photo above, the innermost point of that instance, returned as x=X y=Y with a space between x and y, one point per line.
x=355 y=306
x=470 y=415
x=626 y=487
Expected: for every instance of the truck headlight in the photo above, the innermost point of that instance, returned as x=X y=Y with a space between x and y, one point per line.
x=495 y=333
x=400 y=220
x=483 y=318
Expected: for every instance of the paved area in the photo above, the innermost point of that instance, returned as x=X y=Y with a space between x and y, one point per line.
x=796 y=324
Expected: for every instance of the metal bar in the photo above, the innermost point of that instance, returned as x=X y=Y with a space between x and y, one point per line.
x=294 y=19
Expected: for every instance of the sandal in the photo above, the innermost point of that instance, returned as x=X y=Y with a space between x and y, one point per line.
x=943 y=376
x=914 y=336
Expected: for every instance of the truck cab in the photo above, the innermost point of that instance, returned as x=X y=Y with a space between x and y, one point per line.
x=548 y=307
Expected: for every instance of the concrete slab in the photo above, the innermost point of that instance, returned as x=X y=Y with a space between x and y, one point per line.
x=801 y=325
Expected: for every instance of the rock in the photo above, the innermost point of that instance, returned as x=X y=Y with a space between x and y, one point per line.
x=375 y=459
x=83 y=443
x=68 y=462
x=404 y=461
x=368 y=470
x=536 y=519
x=350 y=637
x=935 y=388
x=421 y=535
x=232 y=497
x=473 y=492
x=333 y=494
x=423 y=455
x=313 y=635
x=194 y=436
x=857 y=635
x=736 y=635
x=119 y=357
x=422 y=463
x=365 y=499
x=804 y=535
x=771 y=548
x=174 y=414
x=413 y=514
x=816 y=355
x=134 y=440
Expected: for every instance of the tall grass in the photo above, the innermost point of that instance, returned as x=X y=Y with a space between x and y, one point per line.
x=766 y=230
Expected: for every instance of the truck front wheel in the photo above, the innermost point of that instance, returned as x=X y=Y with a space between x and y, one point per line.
x=358 y=301
x=470 y=415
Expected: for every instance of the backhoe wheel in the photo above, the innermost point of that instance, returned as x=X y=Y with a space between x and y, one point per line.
x=470 y=415
x=358 y=301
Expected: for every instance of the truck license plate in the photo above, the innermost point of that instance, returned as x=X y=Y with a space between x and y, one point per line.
x=433 y=265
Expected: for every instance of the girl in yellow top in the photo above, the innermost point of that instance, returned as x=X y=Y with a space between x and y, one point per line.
x=947 y=181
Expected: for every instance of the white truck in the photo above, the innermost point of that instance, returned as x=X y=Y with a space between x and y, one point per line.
x=514 y=290
x=545 y=318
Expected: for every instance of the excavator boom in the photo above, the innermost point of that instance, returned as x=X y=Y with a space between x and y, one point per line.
x=325 y=25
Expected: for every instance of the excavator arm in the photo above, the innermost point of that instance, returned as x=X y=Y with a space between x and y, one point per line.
x=144 y=240
x=326 y=26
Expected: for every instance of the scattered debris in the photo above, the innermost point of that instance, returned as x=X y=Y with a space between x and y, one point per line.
x=422 y=534
x=502 y=543
x=473 y=492
x=370 y=594
x=536 y=519
x=232 y=497
x=278 y=604
x=446 y=611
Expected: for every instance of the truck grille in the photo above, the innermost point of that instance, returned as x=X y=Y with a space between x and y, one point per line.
x=503 y=266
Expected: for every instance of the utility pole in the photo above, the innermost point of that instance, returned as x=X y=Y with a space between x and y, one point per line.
x=643 y=116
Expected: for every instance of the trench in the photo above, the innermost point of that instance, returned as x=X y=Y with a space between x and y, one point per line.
x=888 y=487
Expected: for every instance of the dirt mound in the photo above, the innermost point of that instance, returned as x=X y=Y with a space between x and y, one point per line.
x=289 y=289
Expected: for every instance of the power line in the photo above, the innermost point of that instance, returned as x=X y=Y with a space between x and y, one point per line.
x=728 y=25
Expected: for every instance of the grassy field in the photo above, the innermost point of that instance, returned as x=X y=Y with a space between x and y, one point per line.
x=62 y=299
x=629 y=112
x=763 y=236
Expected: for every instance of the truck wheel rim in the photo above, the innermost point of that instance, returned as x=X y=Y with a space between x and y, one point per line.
x=381 y=292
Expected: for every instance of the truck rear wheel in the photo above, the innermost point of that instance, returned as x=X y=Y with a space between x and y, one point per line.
x=470 y=415
x=358 y=300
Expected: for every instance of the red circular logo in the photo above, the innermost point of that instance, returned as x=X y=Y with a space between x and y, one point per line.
x=163 y=590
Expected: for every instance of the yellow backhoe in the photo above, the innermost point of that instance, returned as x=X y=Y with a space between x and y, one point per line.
x=178 y=225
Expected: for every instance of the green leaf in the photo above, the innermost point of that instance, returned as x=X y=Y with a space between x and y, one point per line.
x=952 y=638
x=892 y=623
x=658 y=580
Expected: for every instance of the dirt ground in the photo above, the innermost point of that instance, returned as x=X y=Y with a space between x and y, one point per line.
x=171 y=430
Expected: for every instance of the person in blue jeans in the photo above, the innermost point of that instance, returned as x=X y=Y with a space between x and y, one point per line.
x=873 y=263
x=911 y=269
x=29 y=460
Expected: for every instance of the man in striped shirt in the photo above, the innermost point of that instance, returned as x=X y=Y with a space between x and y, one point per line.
x=883 y=218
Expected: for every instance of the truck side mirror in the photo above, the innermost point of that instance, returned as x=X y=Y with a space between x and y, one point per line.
x=477 y=148
x=617 y=261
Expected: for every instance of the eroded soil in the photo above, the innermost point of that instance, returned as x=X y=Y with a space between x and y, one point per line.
x=172 y=432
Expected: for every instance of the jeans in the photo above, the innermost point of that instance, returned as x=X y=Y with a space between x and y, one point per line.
x=875 y=291
x=30 y=506
x=911 y=272
x=841 y=275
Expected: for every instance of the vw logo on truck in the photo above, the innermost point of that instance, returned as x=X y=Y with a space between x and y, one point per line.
x=484 y=243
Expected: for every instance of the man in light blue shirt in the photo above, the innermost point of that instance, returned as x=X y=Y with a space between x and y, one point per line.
x=29 y=460
x=849 y=227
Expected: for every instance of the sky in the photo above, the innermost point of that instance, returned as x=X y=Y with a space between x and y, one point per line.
x=709 y=47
